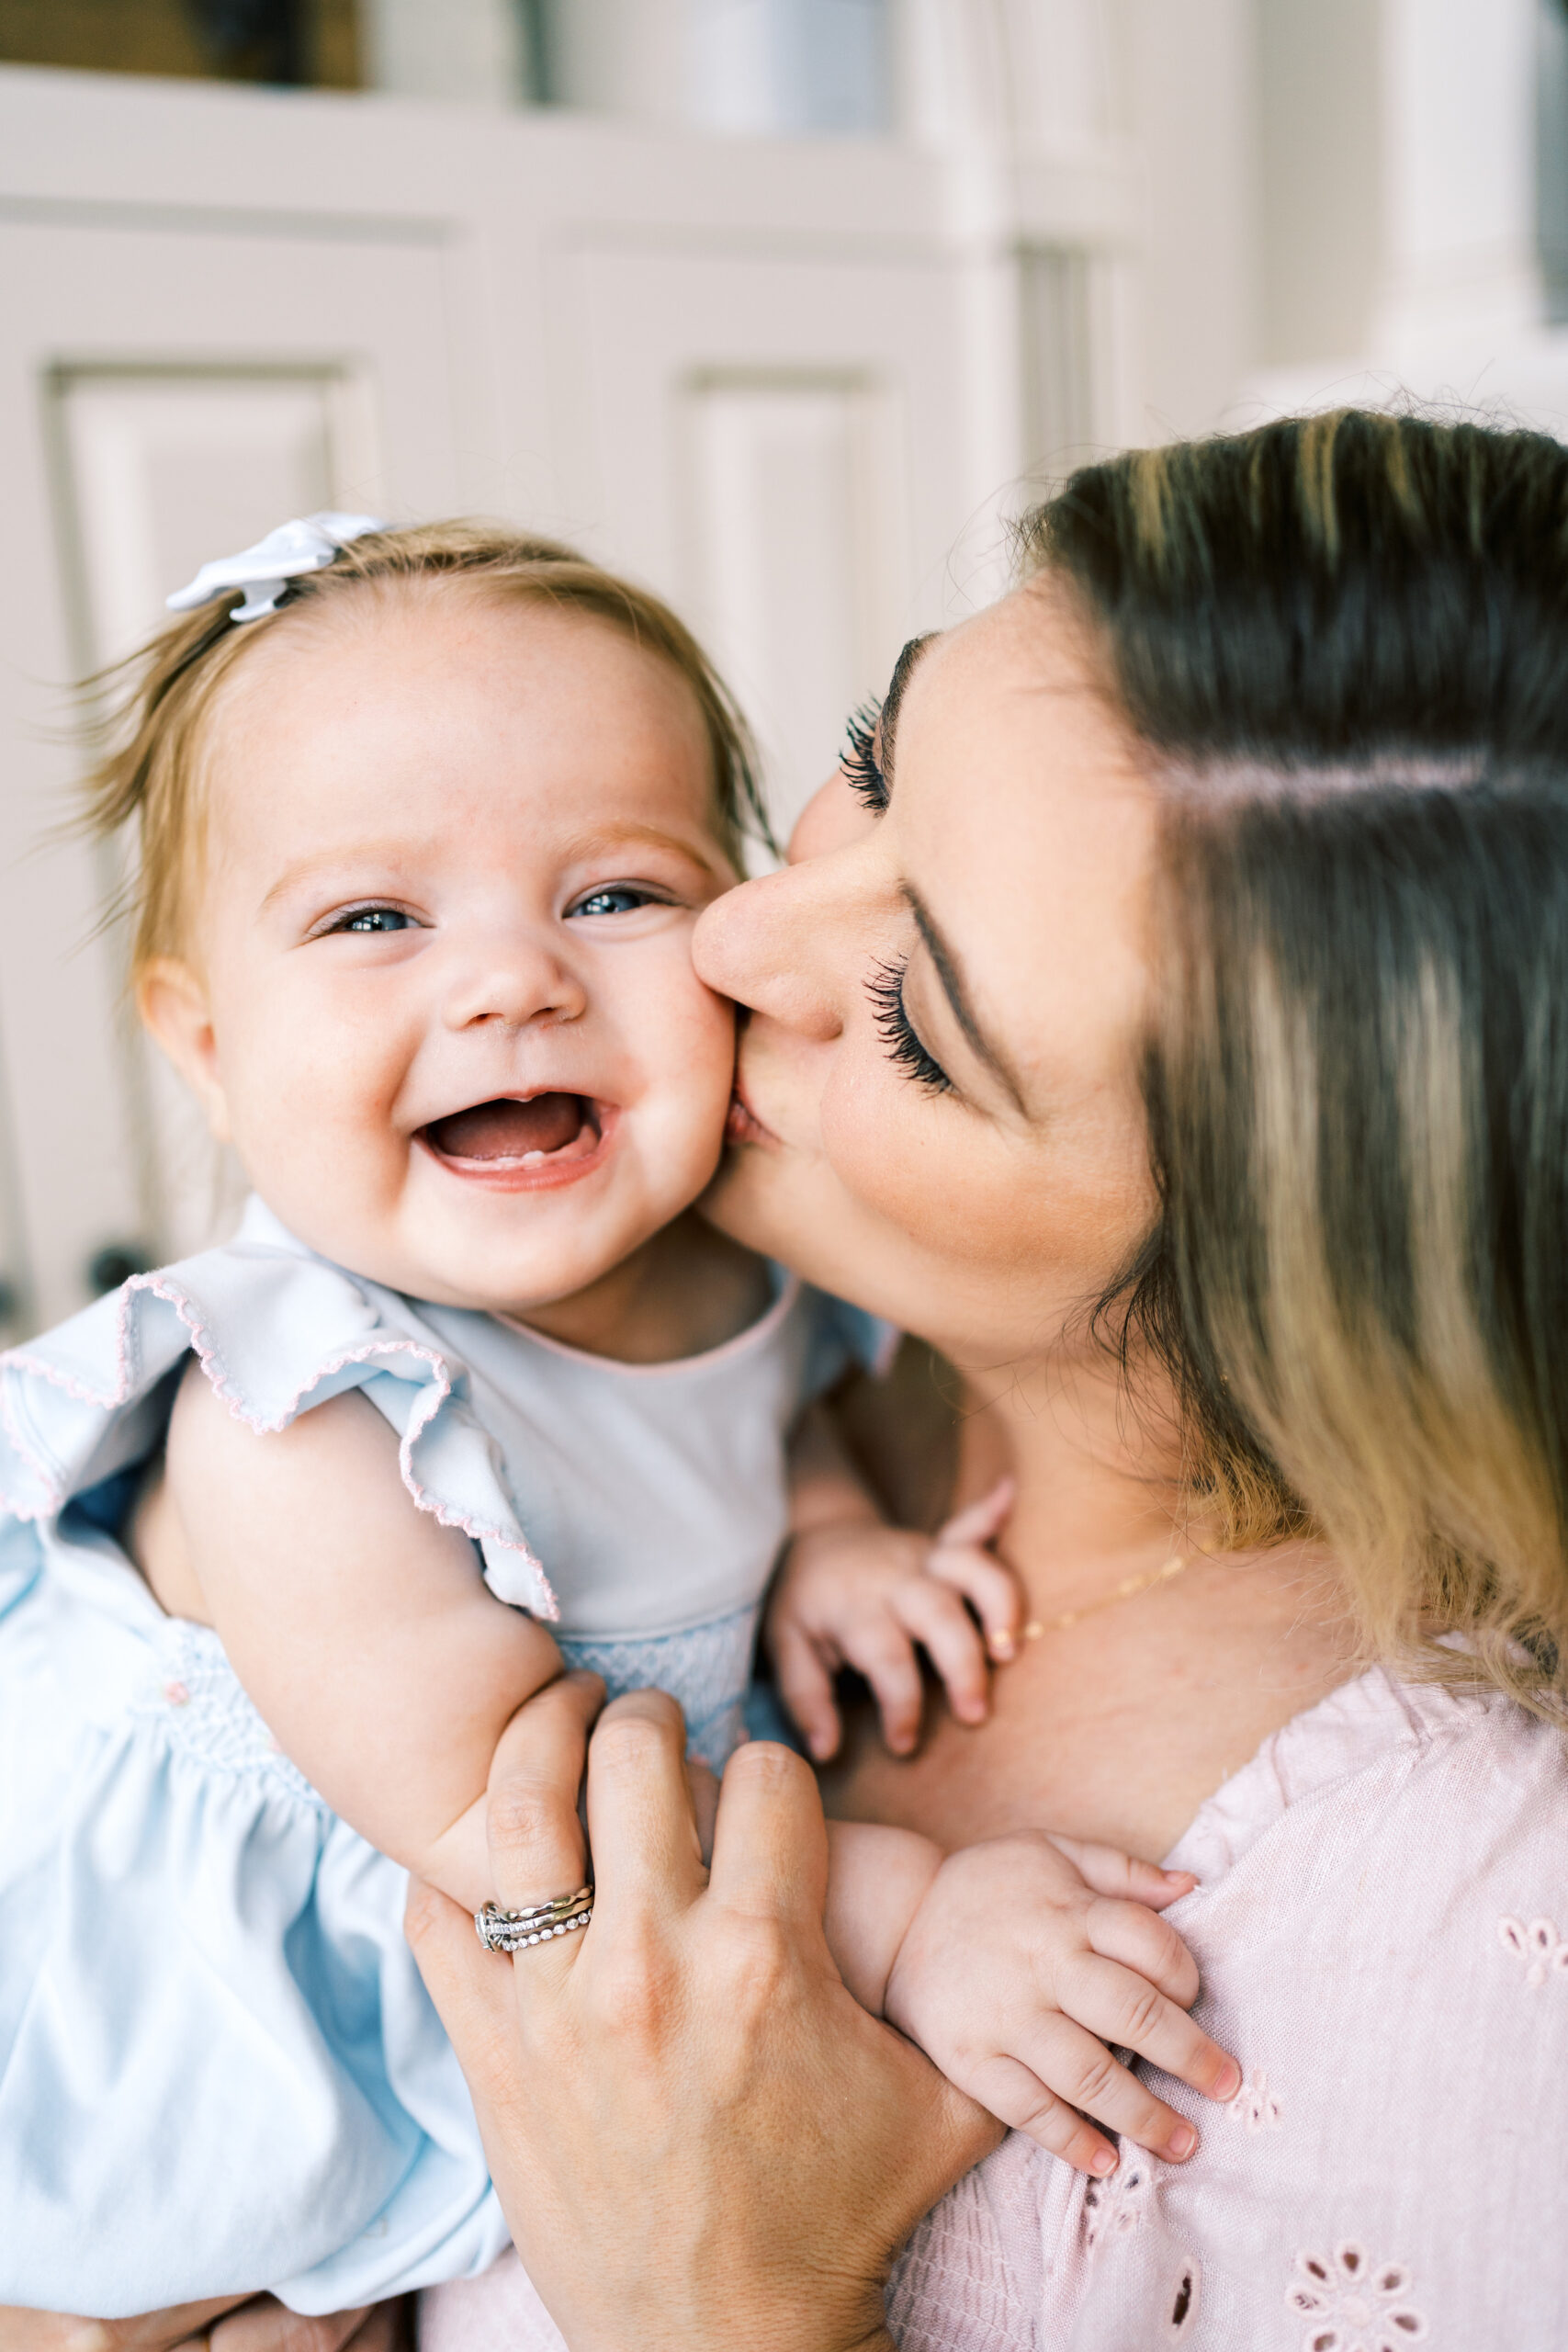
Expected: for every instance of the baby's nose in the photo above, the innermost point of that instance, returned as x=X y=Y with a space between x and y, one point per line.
x=515 y=984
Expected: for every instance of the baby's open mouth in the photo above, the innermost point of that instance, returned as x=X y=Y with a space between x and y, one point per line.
x=546 y=1130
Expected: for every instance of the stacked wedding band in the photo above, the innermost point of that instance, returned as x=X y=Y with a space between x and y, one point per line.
x=510 y=1930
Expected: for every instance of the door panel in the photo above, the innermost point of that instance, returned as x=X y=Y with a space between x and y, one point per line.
x=793 y=520
x=161 y=469
x=164 y=467
x=779 y=446
x=178 y=392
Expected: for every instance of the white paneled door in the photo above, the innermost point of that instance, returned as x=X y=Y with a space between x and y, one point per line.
x=169 y=390
x=756 y=374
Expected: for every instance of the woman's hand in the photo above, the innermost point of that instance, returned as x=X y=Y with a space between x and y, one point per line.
x=256 y=2325
x=699 y=2138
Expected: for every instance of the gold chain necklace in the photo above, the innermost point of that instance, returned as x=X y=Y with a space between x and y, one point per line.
x=1038 y=1626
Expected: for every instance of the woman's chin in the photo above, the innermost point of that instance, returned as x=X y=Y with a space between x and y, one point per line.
x=791 y=1207
x=783 y=1204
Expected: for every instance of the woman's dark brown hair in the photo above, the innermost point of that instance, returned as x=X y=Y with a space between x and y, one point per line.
x=1342 y=643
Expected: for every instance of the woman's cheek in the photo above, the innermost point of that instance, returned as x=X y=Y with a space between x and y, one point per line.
x=906 y=1155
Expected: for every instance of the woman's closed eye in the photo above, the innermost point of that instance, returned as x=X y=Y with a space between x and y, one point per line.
x=861 y=767
x=886 y=989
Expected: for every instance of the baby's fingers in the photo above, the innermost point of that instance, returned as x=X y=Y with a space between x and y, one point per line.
x=805 y=1688
x=992 y=1588
x=1109 y=1871
x=1143 y=1942
x=878 y=1647
x=983 y=1521
x=1019 y=2099
x=1075 y=2066
x=940 y=1622
x=1125 y=2009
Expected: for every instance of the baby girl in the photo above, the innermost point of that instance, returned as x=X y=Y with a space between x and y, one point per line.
x=426 y=823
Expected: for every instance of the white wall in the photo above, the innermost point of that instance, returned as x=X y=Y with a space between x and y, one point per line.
x=1403 y=195
x=1193 y=74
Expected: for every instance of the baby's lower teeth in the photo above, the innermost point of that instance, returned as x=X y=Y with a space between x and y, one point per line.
x=534 y=1158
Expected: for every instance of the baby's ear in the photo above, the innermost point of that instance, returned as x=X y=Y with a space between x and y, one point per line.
x=173 y=1003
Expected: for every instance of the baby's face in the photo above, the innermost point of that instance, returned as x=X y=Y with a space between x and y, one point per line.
x=457 y=851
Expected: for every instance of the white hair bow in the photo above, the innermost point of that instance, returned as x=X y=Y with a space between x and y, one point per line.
x=308 y=544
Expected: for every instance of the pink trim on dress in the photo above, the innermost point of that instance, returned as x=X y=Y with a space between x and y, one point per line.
x=427 y=1404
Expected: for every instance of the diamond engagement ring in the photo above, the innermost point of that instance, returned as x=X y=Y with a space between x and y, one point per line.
x=510 y=1930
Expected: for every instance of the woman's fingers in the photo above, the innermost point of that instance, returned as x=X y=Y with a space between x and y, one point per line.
x=1109 y=1871
x=647 y=1852
x=703 y=1781
x=34 y=2331
x=705 y=2039
x=805 y=1688
x=267 y=2325
x=989 y=1585
x=536 y=1835
x=770 y=1855
x=468 y=1986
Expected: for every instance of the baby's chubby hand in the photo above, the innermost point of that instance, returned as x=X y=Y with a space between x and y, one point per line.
x=855 y=1592
x=1031 y=1958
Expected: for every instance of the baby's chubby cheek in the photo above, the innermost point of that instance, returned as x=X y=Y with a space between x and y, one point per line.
x=679 y=1121
x=312 y=1109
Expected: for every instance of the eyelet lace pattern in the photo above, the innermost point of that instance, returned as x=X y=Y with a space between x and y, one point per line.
x=1255 y=2104
x=1543 y=1952
x=1353 y=2305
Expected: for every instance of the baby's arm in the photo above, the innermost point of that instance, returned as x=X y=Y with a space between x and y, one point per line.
x=1017 y=1965
x=853 y=1591
x=361 y=1627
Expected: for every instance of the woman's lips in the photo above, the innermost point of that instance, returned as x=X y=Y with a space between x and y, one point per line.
x=522 y=1144
x=743 y=1125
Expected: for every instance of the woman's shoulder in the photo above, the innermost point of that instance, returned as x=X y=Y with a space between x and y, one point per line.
x=1378 y=1739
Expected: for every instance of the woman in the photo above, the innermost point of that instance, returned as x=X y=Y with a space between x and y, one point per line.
x=1173 y=1038
x=1201 y=952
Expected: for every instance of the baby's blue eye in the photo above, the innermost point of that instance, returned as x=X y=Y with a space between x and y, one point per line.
x=620 y=898
x=373 y=919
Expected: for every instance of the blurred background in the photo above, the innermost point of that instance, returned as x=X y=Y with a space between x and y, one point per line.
x=783 y=305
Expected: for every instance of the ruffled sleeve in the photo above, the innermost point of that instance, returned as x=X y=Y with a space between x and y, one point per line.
x=276 y=1331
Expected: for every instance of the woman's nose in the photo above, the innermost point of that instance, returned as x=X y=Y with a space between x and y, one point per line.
x=513 y=981
x=769 y=945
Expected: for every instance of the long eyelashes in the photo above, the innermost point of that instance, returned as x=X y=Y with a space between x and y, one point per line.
x=886 y=989
x=862 y=772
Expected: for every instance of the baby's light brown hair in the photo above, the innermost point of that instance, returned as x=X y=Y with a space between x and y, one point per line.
x=157 y=705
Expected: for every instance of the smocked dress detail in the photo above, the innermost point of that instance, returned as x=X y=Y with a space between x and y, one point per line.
x=220 y=2071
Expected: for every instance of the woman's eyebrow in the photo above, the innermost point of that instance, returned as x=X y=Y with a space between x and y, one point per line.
x=887 y=718
x=952 y=988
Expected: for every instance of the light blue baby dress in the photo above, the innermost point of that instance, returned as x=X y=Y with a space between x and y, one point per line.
x=220 y=2070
